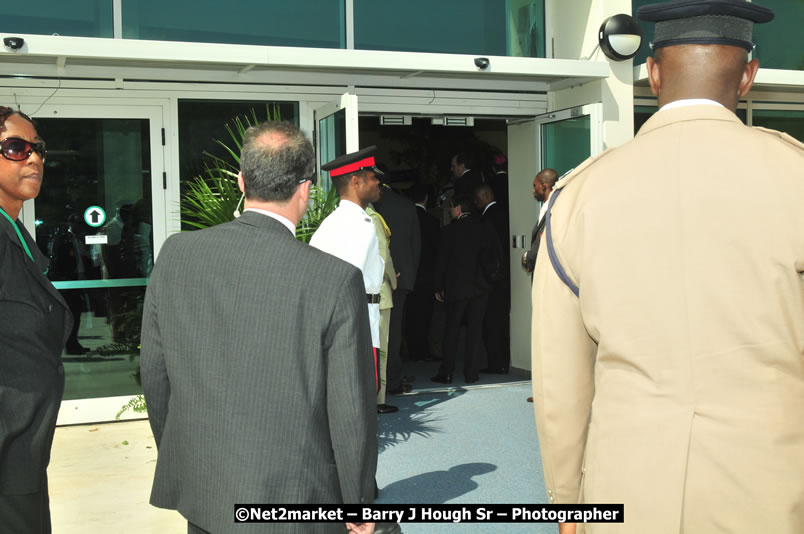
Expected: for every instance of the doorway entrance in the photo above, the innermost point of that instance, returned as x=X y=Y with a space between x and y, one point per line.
x=100 y=218
x=418 y=149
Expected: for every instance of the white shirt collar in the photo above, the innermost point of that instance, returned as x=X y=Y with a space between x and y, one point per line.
x=348 y=204
x=289 y=225
x=490 y=204
x=691 y=102
x=422 y=206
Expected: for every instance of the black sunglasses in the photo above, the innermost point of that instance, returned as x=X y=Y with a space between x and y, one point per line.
x=16 y=149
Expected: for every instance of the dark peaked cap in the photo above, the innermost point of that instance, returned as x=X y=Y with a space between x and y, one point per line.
x=352 y=163
x=729 y=22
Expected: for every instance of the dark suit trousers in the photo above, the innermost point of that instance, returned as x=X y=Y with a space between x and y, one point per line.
x=28 y=514
x=418 y=318
x=497 y=326
x=393 y=375
x=470 y=311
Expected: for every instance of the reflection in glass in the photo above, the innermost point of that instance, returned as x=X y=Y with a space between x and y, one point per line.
x=488 y=27
x=332 y=134
x=77 y=18
x=788 y=121
x=565 y=144
x=110 y=368
x=304 y=23
x=100 y=267
x=777 y=44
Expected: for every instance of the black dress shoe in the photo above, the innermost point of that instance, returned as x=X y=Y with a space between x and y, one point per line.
x=442 y=379
x=471 y=380
x=76 y=349
x=409 y=379
x=386 y=408
x=404 y=388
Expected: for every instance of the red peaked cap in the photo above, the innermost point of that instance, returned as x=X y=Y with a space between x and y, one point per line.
x=350 y=163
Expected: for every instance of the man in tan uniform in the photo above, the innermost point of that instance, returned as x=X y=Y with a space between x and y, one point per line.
x=668 y=332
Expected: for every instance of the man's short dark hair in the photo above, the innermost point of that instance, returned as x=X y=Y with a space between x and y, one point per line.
x=548 y=177
x=462 y=158
x=275 y=159
x=465 y=203
x=485 y=190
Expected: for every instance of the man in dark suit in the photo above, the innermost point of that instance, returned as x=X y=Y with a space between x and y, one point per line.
x=254 y=357
x=542 y=187
x=466 y=257
x=405 y=243
x=499 y=181
x=497 y=323
x=419 y=310
x=465 y=178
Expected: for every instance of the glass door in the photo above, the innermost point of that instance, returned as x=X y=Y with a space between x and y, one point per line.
x=560 y=140
x=98 y=218
x=336 y=132
x=566 y=138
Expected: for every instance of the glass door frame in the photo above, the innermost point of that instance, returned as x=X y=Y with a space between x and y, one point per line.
x=348 y=103
x=525 y=159
x=595 y=113
x=93 y=410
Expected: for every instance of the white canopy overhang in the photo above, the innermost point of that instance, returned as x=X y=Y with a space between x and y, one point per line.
x=139 y=60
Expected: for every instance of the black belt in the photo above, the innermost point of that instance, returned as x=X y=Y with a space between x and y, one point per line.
x=373 y=299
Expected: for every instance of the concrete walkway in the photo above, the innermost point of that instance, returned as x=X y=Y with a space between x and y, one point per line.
x=100 y=479
x=473 y=444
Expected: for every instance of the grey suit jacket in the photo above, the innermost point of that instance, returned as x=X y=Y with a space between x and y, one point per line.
x=258 y=376
x=34 y=325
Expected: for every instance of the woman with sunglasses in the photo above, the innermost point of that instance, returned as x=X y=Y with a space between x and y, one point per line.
x=34 y=325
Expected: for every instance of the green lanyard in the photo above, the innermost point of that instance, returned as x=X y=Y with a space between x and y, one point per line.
x=19 y=234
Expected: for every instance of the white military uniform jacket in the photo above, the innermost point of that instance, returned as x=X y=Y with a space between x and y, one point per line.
x=348 y=233
x=674 y=381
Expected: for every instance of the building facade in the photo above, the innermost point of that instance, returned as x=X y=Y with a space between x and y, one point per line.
x=127 y=93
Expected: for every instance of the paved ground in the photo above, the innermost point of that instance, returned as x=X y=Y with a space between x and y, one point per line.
x=460 y=445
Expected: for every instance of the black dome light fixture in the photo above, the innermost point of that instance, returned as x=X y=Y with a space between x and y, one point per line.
x=620 y=37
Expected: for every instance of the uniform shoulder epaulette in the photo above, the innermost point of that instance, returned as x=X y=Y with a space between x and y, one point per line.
x=781 y=135
x=568 y=176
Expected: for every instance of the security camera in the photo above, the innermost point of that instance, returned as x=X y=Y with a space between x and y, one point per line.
x=14 y=43
x=482 y=63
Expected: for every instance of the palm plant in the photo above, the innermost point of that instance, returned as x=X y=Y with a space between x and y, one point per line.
x=212 y=198
x=321 y=204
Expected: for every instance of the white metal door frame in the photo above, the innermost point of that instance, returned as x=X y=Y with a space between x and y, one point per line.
x=104 y=409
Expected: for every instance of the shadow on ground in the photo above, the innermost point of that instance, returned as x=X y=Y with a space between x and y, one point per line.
x=412 y=418
x=435 y=487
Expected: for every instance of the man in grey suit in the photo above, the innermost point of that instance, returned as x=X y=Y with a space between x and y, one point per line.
x=254 y=358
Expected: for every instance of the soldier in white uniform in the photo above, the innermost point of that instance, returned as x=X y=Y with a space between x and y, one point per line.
x=348 y=232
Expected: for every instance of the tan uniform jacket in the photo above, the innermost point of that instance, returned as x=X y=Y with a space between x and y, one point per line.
x=685 y=347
